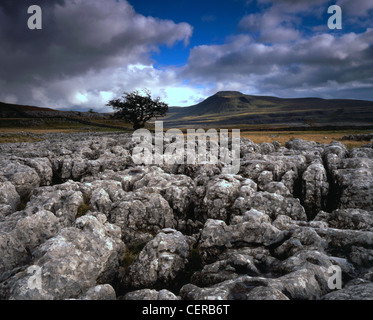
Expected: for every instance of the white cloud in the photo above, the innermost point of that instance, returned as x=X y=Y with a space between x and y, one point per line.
x=87 y=51
x=92 y=51
x=273 y=25
x=306 y=65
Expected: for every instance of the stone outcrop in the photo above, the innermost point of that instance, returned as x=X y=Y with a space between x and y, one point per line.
x=79 y=220
x=162 y=260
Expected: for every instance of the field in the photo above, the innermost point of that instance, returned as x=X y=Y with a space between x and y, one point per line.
x=317 y=136
x=26 y=130
x=13 y=130
x=260 y=119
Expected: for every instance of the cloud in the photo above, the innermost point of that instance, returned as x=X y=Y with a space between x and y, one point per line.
x=80 y=52
x=356 y=7
x=276 y=55
x=306 y=66
x=96 y=87
x=90 y=51
x=295 y=6
x=272 y=26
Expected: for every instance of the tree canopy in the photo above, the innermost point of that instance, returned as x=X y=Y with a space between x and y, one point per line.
x=138 y=108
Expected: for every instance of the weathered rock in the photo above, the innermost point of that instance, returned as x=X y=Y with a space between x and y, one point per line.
x=102 y=194
x=157 y=227
x=288 y=179
x=99 y=292
x=148 y=294
x=315 y=188
x=20 y=234
x=230 y=265
x=80 y=159
x=247 y=147
x=162 y=261
x=115 y=159
x=220 y=195
x=267 y=148
x=361 y=256
x=9 y=198
x=358 y=137
x=43 y=168
x=362 y=291
x=365 y=151
x=236 y=289
x=12 y=252
x=299 y=144
x=216 y=236
x=353 y=219
x=69 y=264
x=141 y=215
x=178 y=190
x=266 y=293
x=35 y=229
x=127 y=177
x=271 y=204
x=345 y=239
x=266 y=183
x=24 y=178
x=277 y=187
x=353 y=180
x=264 y=178
x=300 y=238
x=63 y=200
x=300 y=285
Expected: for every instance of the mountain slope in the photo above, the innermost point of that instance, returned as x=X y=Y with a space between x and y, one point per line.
x=231 y=107
x=8 y=110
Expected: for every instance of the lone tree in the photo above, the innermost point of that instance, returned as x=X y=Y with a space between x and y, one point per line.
x=138 y=109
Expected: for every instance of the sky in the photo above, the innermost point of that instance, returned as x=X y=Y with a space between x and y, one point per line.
x=91 y=51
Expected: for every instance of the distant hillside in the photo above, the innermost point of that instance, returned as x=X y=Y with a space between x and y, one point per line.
x=227 y=109
x=20 y=117
x=235 y=108
x=8 y=110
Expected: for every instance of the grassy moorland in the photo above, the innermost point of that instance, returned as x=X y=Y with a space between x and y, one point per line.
x=35 y=134
x=28 y=124
x=13 y=130
x=317 y=136
x=320 y=136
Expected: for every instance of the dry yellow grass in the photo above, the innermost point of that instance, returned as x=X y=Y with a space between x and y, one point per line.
x=15 y=134
x=284 y=136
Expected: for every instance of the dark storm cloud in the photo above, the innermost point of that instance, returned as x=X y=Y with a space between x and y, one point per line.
x=280 y=59
x=92 y=50
x=356 y=7
x=78 y=36
x=20 y=46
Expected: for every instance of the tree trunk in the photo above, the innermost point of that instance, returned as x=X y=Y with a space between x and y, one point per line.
x=138 y=125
